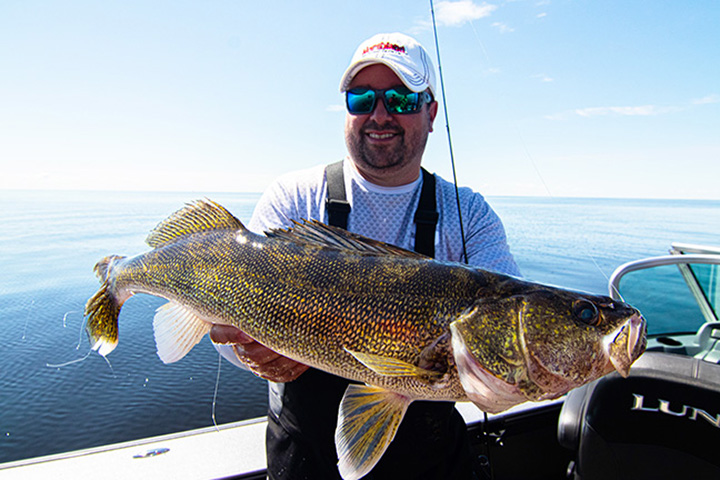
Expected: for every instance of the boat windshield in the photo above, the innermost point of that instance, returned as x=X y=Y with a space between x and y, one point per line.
x=708 y=281
x=676 y=293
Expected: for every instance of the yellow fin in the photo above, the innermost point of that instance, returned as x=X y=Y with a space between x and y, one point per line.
x=199 y=216
x=177 y=331
x=391 y=367
x=367 y=422
x=102 y=312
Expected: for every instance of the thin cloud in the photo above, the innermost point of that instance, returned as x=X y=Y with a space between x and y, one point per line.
x=620 y=111
x=503 y=28
x=455 y=14
x=642 y=110
x=543 y=77
x=635 y=111
x=714 y=98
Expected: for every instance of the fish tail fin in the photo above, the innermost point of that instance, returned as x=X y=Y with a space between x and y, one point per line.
x=102 y=310
x=367 y=422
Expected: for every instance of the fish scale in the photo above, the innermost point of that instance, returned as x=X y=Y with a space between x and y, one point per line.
x=405 y=326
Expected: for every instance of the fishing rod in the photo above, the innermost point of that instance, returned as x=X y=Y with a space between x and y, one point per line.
x=447 y=129
x=486 y=464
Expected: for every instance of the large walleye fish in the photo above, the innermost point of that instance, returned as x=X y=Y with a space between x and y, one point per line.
x=406 y=326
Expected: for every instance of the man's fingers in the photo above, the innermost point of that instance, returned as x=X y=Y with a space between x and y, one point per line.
x=280 y=369
x=262 y=361
x=224 y=334
x=255 y=354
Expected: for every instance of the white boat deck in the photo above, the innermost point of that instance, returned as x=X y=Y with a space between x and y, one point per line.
x=229 y=450
x=205 y=453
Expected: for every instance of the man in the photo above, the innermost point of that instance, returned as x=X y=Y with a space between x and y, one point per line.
x=390 y=90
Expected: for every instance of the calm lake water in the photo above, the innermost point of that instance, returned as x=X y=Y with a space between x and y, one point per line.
x=50 y=241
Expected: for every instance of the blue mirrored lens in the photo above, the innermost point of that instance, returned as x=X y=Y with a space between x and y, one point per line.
x=398 y=100
x=401 y=102
x=360 y=101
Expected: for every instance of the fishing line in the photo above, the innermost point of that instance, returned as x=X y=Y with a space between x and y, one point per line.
x=27 y=320
x=80 y=336
x=77 y=347
x=534 y=164
x=550 y=195
x=109 y=365
x=217 y=385
x=77 y=360
x=81 y=328
x=65 y=317
x=484 y=433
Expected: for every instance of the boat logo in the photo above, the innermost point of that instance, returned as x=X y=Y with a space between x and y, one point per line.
x=663 y=406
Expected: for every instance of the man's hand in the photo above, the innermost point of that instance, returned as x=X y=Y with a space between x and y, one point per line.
x=262 y=361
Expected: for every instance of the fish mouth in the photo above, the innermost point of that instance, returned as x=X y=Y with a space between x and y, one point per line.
x=626 y=344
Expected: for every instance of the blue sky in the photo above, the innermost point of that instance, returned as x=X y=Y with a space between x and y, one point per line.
x=563 y=98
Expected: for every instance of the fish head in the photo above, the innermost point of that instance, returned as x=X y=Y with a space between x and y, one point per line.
x=540 y=344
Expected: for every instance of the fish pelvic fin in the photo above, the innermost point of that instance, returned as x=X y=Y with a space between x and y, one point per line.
x=314 y=233
x=198 y=216
x=177 y=331
x=101 y=326
x=367 y=422
x=392 y=367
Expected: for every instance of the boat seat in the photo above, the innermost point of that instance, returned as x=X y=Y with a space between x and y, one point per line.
x=663 y=421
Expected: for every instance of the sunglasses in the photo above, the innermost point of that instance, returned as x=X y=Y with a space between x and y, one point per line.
x=397 y=100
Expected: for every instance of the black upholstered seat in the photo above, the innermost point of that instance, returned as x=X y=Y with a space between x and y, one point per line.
x=663 y=421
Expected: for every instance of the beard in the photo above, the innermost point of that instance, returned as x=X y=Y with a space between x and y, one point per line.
x=404 y=150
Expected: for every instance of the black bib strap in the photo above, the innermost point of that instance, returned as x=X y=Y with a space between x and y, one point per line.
x=336 y=202
x=426 y=216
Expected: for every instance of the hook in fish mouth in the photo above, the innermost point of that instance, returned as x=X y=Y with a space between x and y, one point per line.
x=627 y=343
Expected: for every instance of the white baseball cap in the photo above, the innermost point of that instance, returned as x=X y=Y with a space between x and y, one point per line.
x=403 y=54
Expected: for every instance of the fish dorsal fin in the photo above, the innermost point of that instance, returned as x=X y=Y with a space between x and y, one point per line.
x=198 y=216
x=314 y=233
x=177 y=331
x=367 y=422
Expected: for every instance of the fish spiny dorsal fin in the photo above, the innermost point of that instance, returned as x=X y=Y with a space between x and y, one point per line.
x=314 y=233
x=198 y=216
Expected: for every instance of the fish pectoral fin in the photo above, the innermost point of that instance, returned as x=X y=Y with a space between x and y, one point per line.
x=391 y=367
x=177 y=331
x=367 y=422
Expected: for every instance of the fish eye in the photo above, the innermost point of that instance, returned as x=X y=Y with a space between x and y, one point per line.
x=586 y=312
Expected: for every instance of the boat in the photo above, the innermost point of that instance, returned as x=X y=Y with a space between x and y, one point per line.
x=663 y=421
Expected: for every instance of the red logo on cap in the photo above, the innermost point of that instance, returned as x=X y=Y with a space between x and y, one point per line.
x=385 y=46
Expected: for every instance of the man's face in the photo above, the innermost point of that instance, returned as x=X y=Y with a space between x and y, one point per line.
x=387 y=149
